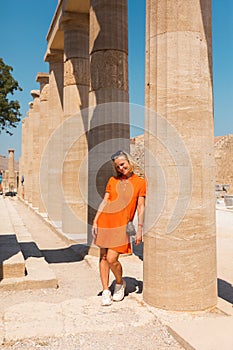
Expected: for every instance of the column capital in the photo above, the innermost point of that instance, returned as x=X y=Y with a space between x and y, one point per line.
x=52 y=56
x=36 y=96
x=42 y=78
x=72 y=21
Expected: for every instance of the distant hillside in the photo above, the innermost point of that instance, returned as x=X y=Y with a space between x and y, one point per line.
x=223 y=149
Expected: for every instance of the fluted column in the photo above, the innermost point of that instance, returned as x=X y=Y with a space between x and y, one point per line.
x=19 y=188
x=108 y=97
x=35 y=158
x=52 y=194
x=11 y=171
x=75 y=100
x=22 y=161
x=30 y=123
x=179 y=248
x=43 y=80
x=25 y=151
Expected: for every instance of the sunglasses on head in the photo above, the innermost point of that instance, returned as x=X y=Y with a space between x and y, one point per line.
x=117 y=154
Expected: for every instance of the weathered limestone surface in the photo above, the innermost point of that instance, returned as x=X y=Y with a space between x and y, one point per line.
x=22 y=265
x=4 y=163
x=109 y=85
x=29 y=176
x=180 y=252
x=20 y=187
x=11 y=171
x=35 y=158
x=51 y=194
x=224 y=161
x=75 y=99
x=179 y=248
x=25 y=150
x=43 y=80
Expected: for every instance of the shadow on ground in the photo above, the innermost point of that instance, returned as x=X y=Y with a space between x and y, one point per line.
x=66 y=255
x=74 y=253
x=8 y=248
x=132 y=285
x=225 y=290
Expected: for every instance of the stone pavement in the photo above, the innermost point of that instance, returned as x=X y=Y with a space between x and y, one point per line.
x=213 y=331
x=22 y=264
x=71 y=317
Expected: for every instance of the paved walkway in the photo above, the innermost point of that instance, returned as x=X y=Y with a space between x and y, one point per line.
x=71 y=317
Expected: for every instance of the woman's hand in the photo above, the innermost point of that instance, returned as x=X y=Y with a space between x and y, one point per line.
x=140 y=210
x=138 y=236
x=94 y=230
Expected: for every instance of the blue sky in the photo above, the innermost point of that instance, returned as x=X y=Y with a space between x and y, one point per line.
x=23 y=28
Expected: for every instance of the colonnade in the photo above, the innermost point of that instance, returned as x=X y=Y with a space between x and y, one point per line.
x=86 y=94
x=9 y=175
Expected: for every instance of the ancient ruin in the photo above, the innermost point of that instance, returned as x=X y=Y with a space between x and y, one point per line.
x=86 y=94
x=9 y=169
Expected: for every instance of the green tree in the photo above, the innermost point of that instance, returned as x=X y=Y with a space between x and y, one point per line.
x=9 y=109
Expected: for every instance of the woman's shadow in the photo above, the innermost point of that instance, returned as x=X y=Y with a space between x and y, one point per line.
x=132 y=285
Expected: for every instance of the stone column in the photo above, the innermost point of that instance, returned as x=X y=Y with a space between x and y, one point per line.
x=34 y=158
x=55 y=58
x=25 y=147
x=5 y=181
x=179 y=247
x=43 y=80
x=19 y=188
x=11 y=170
x=108 y=97
x=22 y=160
x=75 y=100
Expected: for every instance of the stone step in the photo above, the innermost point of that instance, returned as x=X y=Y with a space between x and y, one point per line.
x=38 y=276
x=12 y=262
x=22 y=264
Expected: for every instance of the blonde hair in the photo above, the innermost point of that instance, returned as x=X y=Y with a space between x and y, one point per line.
x=134 y=167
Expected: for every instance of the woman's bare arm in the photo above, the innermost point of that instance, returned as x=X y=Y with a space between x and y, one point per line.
x=140 y=211
x=99 y=211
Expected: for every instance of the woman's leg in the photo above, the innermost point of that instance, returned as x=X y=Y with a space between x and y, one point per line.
x=104 y=268
x=115 y=265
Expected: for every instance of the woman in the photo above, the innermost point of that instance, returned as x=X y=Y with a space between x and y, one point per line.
x=125 y=193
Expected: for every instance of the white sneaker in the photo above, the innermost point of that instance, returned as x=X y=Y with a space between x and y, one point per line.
x=106 y=298
x=119 y=292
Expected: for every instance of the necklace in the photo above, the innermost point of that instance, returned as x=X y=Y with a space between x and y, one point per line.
x=124 y=183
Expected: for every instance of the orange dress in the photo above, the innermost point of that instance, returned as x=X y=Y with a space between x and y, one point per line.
x=120 y=208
